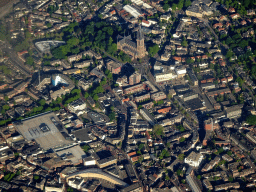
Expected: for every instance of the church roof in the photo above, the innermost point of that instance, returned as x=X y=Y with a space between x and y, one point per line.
x=128 y=41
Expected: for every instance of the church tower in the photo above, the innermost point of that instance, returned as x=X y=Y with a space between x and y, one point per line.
x=140 y=44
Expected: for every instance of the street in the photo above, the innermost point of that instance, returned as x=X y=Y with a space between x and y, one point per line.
x=14 y=59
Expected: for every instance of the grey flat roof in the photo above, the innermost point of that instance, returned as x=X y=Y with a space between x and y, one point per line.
x=76 y=151
x=82 y=135
x=49 y=137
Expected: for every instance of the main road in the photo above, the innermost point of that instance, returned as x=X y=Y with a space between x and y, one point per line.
x=14 y=59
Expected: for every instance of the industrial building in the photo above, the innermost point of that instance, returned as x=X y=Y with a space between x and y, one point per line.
x=45 y=46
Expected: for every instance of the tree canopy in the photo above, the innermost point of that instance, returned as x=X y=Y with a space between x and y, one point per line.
x=152 y=50
x=158 y=129
x=251 y=119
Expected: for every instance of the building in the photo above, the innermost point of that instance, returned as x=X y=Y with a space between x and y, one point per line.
x=158 y=96
x=134 y=12
x=189 y=96
x=97 y=174
x=210 y=165
x=208 y=124
x=135 y=78
x=180 y=71
x=114 y=67
x=106 y=161
x=136 y=187
x=147 y=116
x=134 y=89
x=193 y=77
x=83 y=64
x=251 y=136
x=194 y=159
x=63 y=80
x=127 y=45
x=163 y=72
x=142 y=97
x=45 y=46
x=234 y=111
x=193 y=183
x=207 y=86
x=75 y=154
x=77 y=105
x=165 y=76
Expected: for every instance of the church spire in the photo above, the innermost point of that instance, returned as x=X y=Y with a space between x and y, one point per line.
x=140 y=35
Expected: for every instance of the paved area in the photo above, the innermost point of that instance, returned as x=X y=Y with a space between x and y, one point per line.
x=43 y=129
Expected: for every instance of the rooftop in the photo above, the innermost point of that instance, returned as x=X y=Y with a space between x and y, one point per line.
x=44 y=129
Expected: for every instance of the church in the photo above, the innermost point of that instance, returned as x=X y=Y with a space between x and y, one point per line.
x=136 y=49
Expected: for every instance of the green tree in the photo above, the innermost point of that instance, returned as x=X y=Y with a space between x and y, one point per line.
x=42 y=102
x=251 y=119
x=182 y=139
x=86 y=95
x=6 y=107
x=184 y=42
x=180 y=4
x=110 y=76
x=187 y=3
x=95 y=97
x=59 y=52
x=112 y=116
x=158 y=129
x=49 y=25
x=181 y=128
x=86 y=148
x=141 y=146
x=64 y=19
x=166 y=7
x=73 y=42
x=69 y=189
x=229 y=54
x=153 y=50
x=181 y=156
x=29 y=61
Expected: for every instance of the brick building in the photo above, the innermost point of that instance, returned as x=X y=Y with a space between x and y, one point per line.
x=135 y=78
x=158 y=96
x=142 y=97
x=114 y=67
x=135 y=88
x=164 y=110
x=127 y=45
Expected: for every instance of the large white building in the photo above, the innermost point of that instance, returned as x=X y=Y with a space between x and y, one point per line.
x=160 y=77
x=163 y=72
x=77 y=105
x=134 y=12
x=180 y=70
x=194 y=159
